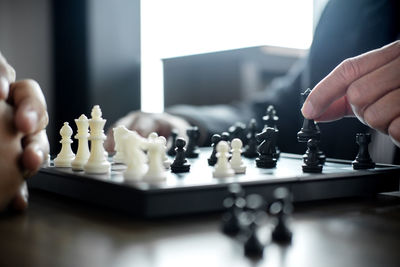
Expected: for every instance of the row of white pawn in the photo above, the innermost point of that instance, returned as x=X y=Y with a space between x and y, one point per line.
x=224 y=167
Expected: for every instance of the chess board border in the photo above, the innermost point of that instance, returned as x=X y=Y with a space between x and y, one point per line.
x=160 y=202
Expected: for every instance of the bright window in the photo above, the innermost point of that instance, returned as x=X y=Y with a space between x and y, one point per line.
x=183 y=27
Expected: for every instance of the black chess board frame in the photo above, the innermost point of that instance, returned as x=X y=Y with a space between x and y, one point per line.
x=197 y=191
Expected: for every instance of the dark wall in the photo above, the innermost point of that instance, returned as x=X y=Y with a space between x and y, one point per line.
x=96 y=59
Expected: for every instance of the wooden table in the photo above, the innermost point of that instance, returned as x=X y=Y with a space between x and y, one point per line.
x=57 y=231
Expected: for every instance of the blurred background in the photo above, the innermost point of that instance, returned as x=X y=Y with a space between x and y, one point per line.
x=130 y=54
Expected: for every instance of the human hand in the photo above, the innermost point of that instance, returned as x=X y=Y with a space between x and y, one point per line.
x=30 y=119
x=11 y=177
x=366 y=86
x=145 y=123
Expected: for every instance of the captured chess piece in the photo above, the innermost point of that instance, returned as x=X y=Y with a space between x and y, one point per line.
x=312 y=162
x=192 y=149
x=213 y=157
x=250 y=150
x=310 y=130
x=83 y=153
x=222 y=168
x=252 y=246
x=234 y=205
x=174 y=135
x=236 y=160
x=66 y=156
x=281 y=208
x=363 y=159
x=180 y=163
x=266 y=149
x=97 y=162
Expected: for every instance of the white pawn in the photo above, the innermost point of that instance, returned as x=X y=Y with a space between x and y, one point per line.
x=222 y=168
x=97 y=162
x=119 y=133
x=135 y=159
x=156 y=171
x=83 y=153
x=166 y=161
x=66 y=156
x=236 y=160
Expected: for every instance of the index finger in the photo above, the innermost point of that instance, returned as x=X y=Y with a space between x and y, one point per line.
x=334 y=86
x=30 y=106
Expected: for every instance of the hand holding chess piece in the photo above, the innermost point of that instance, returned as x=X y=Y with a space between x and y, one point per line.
x=369 y=89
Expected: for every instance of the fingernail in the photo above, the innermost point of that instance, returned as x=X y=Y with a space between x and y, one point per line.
x=32 y=118
x=308 y=110
x=4 y=88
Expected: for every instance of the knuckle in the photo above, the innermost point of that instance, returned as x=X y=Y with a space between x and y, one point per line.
x=372 y=118
x=354 y=94
x=394 y=130
x=349 y=69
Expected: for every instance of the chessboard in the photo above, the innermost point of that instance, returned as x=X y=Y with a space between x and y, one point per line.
x=198 y=191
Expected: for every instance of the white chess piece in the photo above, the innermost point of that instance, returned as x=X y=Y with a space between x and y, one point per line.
x=66 y=156
x=134 y=157
x=156 y=171
x=236 y=160
x=83 y=153
x=166 y=161
x=119 y=133
x=222 y=168
x=97 y=162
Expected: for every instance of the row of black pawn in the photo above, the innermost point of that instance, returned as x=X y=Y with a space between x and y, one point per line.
x=243 y=214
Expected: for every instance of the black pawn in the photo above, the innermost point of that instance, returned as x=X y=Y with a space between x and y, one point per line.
x=192 y=150
x=281 y=208
x=363 y=159
x=266 y=149
x=180 y=163
x=310 y=130
x=225 y=136
x=234 y=205
x=212 y=160
x=250 y=150
x=312 y=163
x=253 y=247
x=174 y=135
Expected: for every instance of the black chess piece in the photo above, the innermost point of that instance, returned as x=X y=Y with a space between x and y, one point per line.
x=363 y=159
x=310 y=130
x=180 y=163
x=234 y=205
x=192 y=149
x=225 y=136
x=212 y=160
x=312 y=162
x=252 y=246
x=321 y=156
x=174 y=135
x=238 y=130
x=250 y=150
x=266 y=149
x=270 y=119
x=281 y=208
